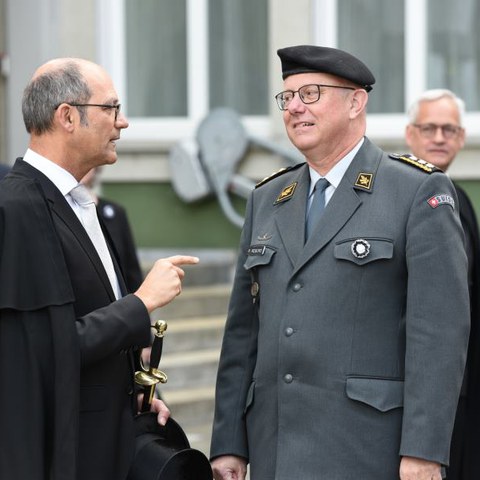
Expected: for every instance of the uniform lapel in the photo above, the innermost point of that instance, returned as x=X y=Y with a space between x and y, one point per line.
x=344 y=202
x=290 y=215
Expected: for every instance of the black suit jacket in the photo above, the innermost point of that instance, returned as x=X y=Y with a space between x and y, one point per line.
x=115 y=219
x=102 y=402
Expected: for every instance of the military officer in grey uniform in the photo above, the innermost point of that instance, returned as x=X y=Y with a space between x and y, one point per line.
x=345 y=344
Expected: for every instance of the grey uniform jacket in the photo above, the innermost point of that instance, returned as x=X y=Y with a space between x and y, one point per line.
x=353 y=352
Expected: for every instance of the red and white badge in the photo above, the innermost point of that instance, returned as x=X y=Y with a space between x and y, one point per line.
x=441 y=199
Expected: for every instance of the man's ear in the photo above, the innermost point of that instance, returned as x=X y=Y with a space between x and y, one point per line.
x=408 y=135
x=359 y=102
x=462 y=138
x=64 y=116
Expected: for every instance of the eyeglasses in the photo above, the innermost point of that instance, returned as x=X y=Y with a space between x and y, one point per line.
x=101 y=105
x=307 y=93
x=429 y=130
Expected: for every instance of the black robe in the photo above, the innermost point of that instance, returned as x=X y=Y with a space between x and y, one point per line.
x=464 y=457
x=39 y=354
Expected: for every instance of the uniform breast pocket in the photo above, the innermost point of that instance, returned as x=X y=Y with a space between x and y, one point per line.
x=258 y=256
x=364 y=250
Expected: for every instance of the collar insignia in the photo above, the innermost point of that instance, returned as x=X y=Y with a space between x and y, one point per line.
x=264 y=237
x=364 y=180
x=286 y=193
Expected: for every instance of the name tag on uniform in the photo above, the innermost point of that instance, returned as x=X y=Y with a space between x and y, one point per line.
x=256 y=250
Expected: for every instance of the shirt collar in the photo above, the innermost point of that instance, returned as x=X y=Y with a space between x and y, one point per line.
x=62 y=179
x=335 y=175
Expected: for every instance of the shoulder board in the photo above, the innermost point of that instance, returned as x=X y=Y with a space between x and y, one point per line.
x=416 y=162
x=278 y=173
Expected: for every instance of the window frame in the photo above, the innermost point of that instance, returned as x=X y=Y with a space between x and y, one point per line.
x=391 y=127
x=153 y=131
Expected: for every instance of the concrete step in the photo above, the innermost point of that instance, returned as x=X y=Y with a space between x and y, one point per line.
x=215 y=266
x=191 y=349
x=198 y=301
x=190 y=369
x=189 y=334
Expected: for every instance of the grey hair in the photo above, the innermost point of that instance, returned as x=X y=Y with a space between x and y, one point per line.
x=47 y=91
x=435 y=94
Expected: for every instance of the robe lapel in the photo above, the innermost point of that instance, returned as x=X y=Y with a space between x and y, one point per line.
x=64 y=213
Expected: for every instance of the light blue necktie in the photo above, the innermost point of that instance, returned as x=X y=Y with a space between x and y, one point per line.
x=317 y=206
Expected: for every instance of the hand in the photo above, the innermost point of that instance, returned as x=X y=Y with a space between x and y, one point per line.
x=157 y=406
x=164 y=281
x=163 y=412
x=229 y=467
x=412 y=468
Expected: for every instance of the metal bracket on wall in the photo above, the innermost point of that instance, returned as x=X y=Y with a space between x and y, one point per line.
x=208 y=164
x=4 y=65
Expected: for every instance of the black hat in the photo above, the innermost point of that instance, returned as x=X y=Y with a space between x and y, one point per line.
x=164 y=453
x=310 y=58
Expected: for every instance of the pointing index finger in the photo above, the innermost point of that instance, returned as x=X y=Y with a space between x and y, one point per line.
x=183 y=260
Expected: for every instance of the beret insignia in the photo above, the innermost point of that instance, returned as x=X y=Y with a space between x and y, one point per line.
x=416 y=162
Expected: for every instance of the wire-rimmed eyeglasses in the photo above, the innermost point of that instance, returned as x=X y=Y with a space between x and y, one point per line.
x=429 y=130
x=308 y=94
x=116 y=106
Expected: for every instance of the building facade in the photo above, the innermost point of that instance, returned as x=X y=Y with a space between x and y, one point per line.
x=176 y=62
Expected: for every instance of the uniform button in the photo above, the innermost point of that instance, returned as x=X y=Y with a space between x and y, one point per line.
x=297 y=287
x=288 y=331
x=288 y=378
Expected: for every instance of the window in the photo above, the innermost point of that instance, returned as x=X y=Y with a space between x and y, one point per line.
x=410 y=45
x=156 y=58
x=454 y=48
x=173 y=61
x=373 y=31
x=238 y=51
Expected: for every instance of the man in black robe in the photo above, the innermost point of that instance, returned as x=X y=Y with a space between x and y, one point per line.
x=69 y=333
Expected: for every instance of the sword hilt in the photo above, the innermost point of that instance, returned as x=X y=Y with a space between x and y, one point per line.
x=149 y=378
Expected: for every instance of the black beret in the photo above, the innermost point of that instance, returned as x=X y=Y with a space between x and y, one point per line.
x=310 y=58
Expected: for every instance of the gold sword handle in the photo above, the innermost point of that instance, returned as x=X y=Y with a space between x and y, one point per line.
x=148 y=379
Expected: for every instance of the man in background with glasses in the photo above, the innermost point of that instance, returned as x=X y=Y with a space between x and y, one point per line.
x=69 y=330
x=347 y=329
x=436 y=134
